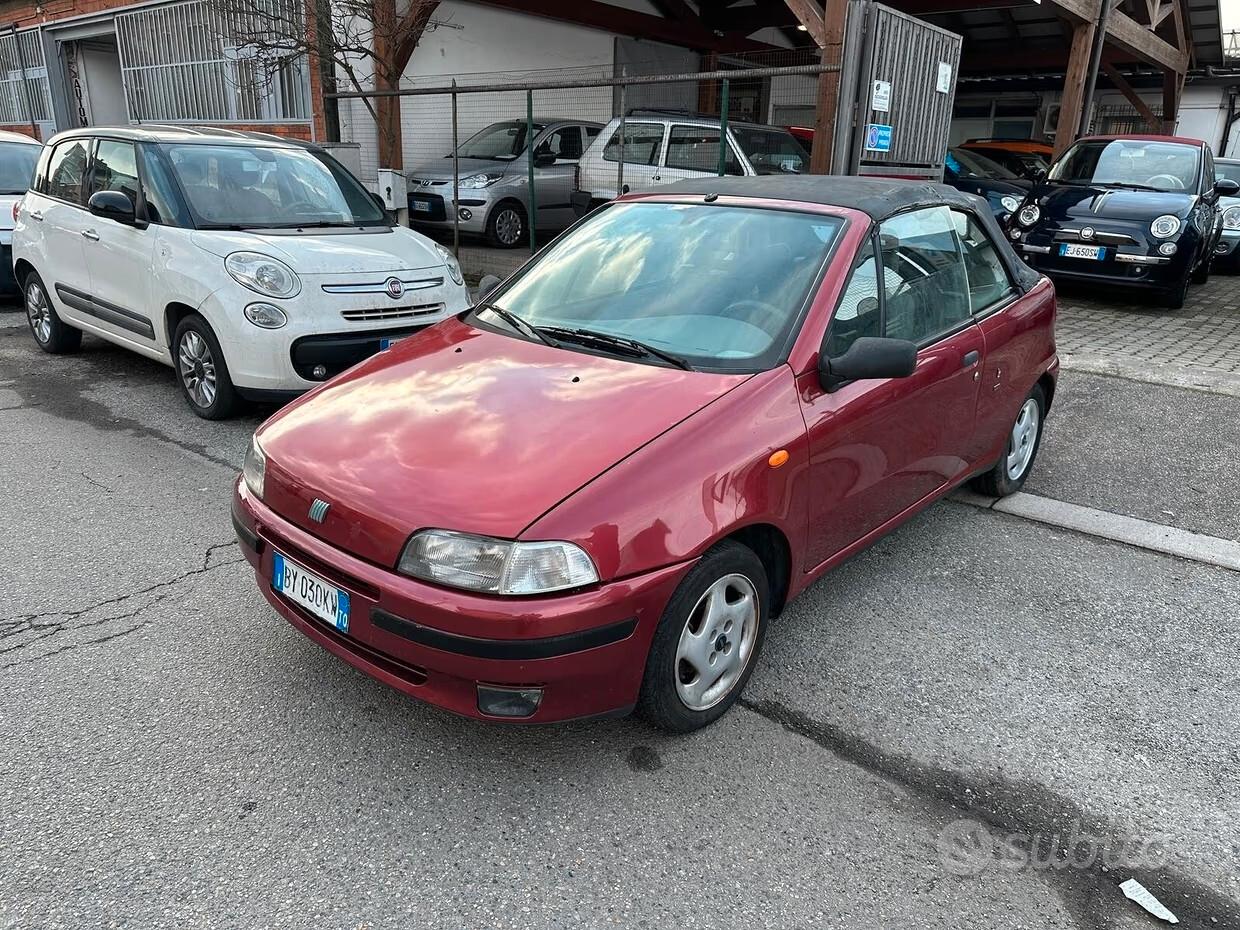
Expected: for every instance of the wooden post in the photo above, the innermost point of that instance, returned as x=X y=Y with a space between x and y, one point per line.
x=1070 y=104
x=1172 y=82
x=826 y=28
x=708 y=91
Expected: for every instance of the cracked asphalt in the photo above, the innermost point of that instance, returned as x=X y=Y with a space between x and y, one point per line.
x=174 y=755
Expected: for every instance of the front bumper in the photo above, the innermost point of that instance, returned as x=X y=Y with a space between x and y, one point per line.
x=586 y=651
x=1225 y=248
x=1123 y=266
x=432 y=207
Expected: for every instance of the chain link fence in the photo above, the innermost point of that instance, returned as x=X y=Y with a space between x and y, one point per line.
x=597 y=132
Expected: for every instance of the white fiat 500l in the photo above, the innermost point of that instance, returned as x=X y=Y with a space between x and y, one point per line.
x=255 y=266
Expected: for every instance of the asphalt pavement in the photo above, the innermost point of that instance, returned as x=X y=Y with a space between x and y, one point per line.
x=175 y=755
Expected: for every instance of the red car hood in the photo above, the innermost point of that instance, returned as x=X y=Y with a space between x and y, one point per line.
x=464 y=429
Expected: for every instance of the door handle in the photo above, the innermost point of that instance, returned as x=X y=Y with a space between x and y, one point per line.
x=91 y=235
x=35 y=215
x=972 y=358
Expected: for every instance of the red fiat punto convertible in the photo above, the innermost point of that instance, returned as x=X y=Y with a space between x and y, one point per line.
x=594 y=490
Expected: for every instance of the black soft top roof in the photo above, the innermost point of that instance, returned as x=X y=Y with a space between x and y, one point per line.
x=878 y=198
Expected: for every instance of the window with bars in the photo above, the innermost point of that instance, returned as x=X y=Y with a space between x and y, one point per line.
x=24 y=95
x=215 y=62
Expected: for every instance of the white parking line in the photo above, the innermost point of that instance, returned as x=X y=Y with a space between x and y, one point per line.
x=1143 y=534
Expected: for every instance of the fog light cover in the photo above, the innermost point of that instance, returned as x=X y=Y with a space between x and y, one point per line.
x=1167 y=248
x=508 y=702
x=465 y=213
x=1014 y=234
x=265 y=316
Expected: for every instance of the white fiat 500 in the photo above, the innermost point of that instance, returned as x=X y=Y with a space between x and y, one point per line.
x=255 y=266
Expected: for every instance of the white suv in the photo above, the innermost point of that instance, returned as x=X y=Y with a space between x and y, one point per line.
x=255 y=266
x=662 y=147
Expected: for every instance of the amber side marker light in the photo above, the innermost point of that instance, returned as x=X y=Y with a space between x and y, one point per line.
x=778 y=458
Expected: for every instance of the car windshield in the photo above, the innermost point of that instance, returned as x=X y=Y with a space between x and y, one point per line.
x=968 y=164
x=771 y=151
x=503 y=141
x=717 y=287
x=1161 y=166
x=260 y=187
x=17 y=161
x=1229 y=171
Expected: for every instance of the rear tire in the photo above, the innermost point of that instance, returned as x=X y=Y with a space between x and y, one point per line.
x=1009 y=474
x=202 y=371
x=708 y=640
x=52 y=334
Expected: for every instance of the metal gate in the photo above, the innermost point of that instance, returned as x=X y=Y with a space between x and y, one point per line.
x=901 y=93
x=24 y=96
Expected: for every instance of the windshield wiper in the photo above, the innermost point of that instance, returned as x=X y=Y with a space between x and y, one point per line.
x=623 y=343
x=520 y=324
x=1134 y=187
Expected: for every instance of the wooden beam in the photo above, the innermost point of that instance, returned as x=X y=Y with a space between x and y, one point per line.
x=809 y=13
x=1124 y=31
x=1074 y=86
x=827 y=110
x=1150 y=117
x=675 y=9
x=1172 y=84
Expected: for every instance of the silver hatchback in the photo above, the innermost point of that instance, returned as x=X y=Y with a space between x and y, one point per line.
x=494 y=197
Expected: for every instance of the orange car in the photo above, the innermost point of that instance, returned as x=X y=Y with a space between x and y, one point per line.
x=1026 y=157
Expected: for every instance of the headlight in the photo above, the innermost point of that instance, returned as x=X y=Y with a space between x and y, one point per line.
x=454 y=267
x=496 y=566
x=1029 y=214
x=476 y=181
x=263 y=274
x=1231 y=218
x=254 y=470
x=1165 y=226
x=1009 y=203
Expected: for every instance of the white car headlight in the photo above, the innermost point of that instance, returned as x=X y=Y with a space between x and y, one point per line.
x=1009 y=203
x=496 y=566
x=1231 y=218
x=454 y=267
x=254 y=469
x=1029 y=214
x=477 y=181
x=263 y=274
x=1165 y=226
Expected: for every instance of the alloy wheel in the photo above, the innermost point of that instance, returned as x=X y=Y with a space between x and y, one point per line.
x=196 y=365
x=508 y=226
x=39 y=312
x=1024 y=439
x=717 y=642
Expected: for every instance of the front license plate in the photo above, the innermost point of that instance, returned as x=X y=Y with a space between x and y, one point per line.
x=325 y=601
x=388 y=342
x=421 y=206
x=1072 y=250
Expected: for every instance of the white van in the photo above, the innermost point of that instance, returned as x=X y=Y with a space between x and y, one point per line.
x=662 y=147
x=257 y=267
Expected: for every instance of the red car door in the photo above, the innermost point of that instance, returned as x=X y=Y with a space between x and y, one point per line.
x=878 y=448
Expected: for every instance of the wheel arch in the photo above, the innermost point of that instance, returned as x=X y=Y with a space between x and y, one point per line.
x=1047 y=383
x=769 y=543
x=174 y=313
x=21 y=268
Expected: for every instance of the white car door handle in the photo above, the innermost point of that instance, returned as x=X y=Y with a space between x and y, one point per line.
x=35 y=215
x=91 y=235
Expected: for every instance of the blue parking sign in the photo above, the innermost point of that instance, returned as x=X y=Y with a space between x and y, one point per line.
x=877 y=137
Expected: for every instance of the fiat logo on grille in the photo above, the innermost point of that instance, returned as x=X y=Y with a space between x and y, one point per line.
x=1087 y=232
x=394 y=287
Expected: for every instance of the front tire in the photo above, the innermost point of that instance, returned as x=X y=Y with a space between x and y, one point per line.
x=1174 y=297
x=201 y=370
x=506 y=226
x=1201 y=274
x=1009 y=474
x=707 y=641
x=52 y=334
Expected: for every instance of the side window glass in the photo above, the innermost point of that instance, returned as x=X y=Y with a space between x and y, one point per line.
x=65 y=170
x=591 y=132
x=926 y=292
x=162 y=204
x=987 y=277
x=642 y=142
x=114 y=168
x=564 y=144
x=696 y=148
x=858 y=313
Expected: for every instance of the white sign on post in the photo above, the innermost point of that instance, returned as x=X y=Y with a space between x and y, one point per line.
x=944 y=83
x=880 y=97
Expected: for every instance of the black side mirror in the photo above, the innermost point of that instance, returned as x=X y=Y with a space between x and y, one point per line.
x=1039 y=175
x=379 y=201
x=868 y=358
x=112 y=205
x=543 y=159
x=1226 y=187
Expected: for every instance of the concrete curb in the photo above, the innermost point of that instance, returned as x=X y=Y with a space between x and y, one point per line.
x=1143 y=534
x=1132 y=369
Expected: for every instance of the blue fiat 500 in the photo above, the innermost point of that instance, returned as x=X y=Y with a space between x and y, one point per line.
x=1137 y=211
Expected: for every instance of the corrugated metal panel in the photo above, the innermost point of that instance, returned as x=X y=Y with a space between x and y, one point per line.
x=220 y=63
x=906 y=52
x=20 y=93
